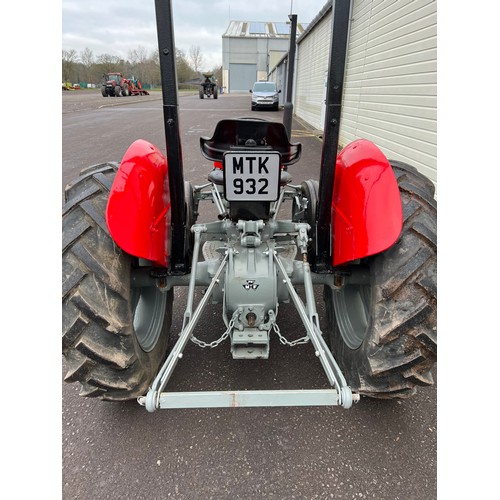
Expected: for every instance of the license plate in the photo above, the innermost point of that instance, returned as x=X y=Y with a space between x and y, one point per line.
x=251 y=176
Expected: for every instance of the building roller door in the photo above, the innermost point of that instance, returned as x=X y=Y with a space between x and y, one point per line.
x=242 y=77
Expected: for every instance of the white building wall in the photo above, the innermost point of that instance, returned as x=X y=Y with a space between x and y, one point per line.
x=279 y=75
x=390 y=88
x=311 y=70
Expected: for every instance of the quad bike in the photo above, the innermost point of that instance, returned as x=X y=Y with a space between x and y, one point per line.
x=208 y=88
x=365 y=233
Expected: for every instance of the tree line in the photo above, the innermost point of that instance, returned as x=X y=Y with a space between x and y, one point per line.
x=143 y=66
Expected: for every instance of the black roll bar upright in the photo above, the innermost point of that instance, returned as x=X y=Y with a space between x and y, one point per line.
x=288 y=107
x=166 y=46
x=338 y=51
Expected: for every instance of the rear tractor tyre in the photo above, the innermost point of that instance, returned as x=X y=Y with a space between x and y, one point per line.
x=118 y=91
x=115 y=335
x=215 y=92
x=202 y=95
x=104 y=92
x=125 y=91
x=383 y=334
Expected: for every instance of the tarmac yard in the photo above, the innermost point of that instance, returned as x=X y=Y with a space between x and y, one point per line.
x=377 y=449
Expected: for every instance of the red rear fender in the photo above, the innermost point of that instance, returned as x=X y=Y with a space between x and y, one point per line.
x=366 y=207
x=138 y=211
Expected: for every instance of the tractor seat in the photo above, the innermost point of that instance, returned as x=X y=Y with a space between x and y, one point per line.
x=244 y=134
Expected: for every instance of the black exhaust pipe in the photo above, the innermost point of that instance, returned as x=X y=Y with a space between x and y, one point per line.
x=335 y=84
x=179 y=262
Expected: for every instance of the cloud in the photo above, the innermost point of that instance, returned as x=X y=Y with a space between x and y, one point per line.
x=117 y=26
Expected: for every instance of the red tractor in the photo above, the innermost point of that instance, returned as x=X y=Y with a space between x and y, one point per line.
x=116 y=85
x=365 y=233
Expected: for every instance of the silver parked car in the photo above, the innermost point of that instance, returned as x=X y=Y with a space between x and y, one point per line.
x=265 y=95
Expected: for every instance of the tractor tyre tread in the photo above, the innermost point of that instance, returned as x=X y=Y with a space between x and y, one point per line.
x=401 y=348
x=98 y=341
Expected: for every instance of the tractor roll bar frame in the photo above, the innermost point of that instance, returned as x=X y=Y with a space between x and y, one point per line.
x=321 y=262
x=179 y=262
x=341 y=12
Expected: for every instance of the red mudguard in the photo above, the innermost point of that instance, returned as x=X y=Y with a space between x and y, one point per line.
x=366 y=207
x=138 y=211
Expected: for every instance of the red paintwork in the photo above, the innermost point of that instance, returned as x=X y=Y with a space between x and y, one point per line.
x=366 y=207
x=138 y=212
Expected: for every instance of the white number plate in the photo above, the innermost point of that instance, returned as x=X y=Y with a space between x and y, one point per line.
x=250 y=176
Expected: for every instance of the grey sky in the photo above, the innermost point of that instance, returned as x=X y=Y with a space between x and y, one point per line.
x=117 y=26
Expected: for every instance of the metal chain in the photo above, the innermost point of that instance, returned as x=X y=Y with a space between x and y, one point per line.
x=225 y=335
x=215 y=343
x=284 y=341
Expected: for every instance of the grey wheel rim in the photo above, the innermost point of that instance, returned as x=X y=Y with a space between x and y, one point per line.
x=352 y=306
x=149 y=307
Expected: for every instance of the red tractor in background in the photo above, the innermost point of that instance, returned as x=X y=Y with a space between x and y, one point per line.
x=364 y=233
x=116 y=85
